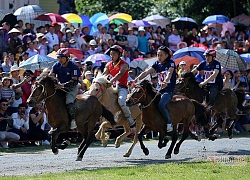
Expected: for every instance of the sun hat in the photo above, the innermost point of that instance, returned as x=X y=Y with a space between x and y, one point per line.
x=88 y=73
x=7 y=78
x=182 y=42
x=14 y=30
x=141 y=28
x=130 y=29
x=92 y=42
x=14 y=68
x=69 y=31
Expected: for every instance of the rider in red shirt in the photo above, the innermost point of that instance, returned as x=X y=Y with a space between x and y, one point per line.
x=117 y=69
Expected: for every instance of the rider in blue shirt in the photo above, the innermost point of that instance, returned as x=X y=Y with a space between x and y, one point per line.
x=166 y=71
x=212 y=71
x=67 y=73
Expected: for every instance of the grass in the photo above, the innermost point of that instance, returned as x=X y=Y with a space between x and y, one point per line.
x=187 y=170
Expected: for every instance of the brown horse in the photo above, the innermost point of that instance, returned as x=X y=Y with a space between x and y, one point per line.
x=181 y=110
x=225 y=101
x=108 y=97
x=88 y=112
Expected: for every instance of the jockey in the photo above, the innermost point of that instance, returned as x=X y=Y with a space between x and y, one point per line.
x=67 y=73
x=166 y=70
x=117 y=70
x=212 y=71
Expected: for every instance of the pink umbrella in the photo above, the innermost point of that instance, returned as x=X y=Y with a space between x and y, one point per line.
x=228 y=26
x=51 y=17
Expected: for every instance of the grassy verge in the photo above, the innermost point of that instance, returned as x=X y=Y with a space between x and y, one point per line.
x=188 y=170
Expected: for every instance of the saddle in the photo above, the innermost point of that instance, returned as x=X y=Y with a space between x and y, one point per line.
x=178 y=98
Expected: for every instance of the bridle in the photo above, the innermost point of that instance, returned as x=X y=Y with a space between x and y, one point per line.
x=44 y=92
x=101 y=90
x=183 y=86
x=144 y=94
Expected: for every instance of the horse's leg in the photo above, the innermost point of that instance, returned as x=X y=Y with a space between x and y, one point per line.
x=162 y=139
x=208 y=135
x=230 y=130
x=140 y=136
x=138 y=126
x=127 y=131
x=100 y=134
x=183 y=138
x=174 y=139
x=54 y=137
x=218 y=123
x=194 y=136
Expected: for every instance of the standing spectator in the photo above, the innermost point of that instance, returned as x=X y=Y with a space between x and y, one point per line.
x=28 y=29
x=4 y=46
x=132 y=41
x=167 y=34
x=68 y=35
x=98 y=33
x=158 y=37
x=142 y=41
x=4 y=121
x=87 y=81
x=52 y=38
x=79 y=40
x=121 y=40
x=14 y=40
x=20 y=122
x=193 y=38
x=43 y=46
x=6 y=92
x=173 y=40
x=23 y=57
x=31 y=49
x=85 y=34
x=6 y=65
x=104 y=36
x=58 y=31
x=66 y=6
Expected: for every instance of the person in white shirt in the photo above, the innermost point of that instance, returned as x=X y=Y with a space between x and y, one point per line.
x=98 y=33
x=52 y=38
x=20 y=122
x=173 y=40
x=79 y=40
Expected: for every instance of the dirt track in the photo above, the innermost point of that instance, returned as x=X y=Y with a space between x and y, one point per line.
x=37 y=162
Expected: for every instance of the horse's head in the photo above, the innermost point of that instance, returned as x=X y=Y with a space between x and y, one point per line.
x=139 y=92
x=42 y=89
x=99 y=86
x=181 y=83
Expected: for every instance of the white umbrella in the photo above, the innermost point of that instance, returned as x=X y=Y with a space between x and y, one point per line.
x=158 y=19
x=97 y=58
x=28 y=12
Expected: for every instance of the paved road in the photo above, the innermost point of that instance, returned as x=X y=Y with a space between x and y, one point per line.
x=37 y=162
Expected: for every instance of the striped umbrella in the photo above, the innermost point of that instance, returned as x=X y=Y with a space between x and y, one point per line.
x=123 y=17
x=2 y=14
x=28 y=12
x=230 y=59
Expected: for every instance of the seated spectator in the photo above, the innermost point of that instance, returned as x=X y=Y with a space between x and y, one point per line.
x=182 y=67
x=22 y=58
x=6 y=92
x=227 y=80
x=6 y=65
x=19 y=51
x=31 y=49
x=20 y=123
x=43 y=46
x=6 y=121
x=87 y=80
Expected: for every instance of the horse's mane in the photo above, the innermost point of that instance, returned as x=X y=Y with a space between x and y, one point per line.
x=101 y=79
x=148 y=86
x=190 y=75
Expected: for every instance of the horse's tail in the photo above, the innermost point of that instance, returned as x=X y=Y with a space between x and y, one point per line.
x=108 y=115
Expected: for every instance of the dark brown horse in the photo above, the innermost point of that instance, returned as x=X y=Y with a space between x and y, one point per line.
x=88 y=112
x=181 y=110
x=225 y=101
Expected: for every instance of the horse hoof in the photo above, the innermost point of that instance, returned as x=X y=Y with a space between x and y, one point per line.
x=117 y=145
x=56 y=152
x=176 y=151
x=230 y=137
x=167 y=156
x=105 y=144
x=146 y=151
x=78 y=159
x=126 y=155
x=67 y=142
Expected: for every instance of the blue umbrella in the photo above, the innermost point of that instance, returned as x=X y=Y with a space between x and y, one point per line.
x=246 y=57
x=214 y=19
x=99 y=18
x=190 y=51
x=38 y=62
x=138 y=23
x=85 y=21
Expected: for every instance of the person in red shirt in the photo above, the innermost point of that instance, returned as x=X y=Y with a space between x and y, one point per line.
x=117 y=70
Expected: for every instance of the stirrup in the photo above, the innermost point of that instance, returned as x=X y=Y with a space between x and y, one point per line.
x=73 y=124
x=52 y=130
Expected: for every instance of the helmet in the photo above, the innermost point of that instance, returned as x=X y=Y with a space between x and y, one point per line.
x=63 y=52
x=182 y=63
x=210 y=52
x=117 y=48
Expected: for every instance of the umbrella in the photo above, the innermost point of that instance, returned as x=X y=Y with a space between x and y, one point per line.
x=228 y=26
x=2 y=14
x=38 y=62
x=73 y=51
x=184 y=23
x=72 y=18
x=97 y=58
x=11 y=19
x=138 y=64
x=85 y=21
x=246 y=57
x=123 y=17
x=138 y=23
x=241 y=19
x=28 y=12
x=215 y=19
x=230 y=59
x=199 y=45
x=158 y=19
x=189 y=61
x=99 y=18
x=116 y=21
x=51 y=17
x=190 y=51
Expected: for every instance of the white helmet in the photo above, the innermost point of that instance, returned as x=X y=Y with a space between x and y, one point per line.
x=183 y=63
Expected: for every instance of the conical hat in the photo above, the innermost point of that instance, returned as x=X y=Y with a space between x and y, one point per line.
x=14 y=30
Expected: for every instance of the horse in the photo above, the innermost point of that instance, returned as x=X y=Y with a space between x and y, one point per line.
x=88 y=112
x=108 y=97
x=181 y=110
x=225 y=101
